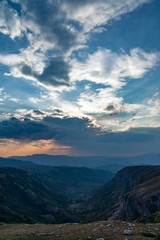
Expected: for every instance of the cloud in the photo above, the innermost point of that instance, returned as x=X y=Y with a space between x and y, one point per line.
x=57 y=28
x=1 y=90
x=56 y=73
x=155 y=101
x=11 y=59
x=111 y=68
x=41 y=127
x=106 y=73
x=16 y=100
x=10 y=22
x=92 y=14
x=80 y=135
x=3 y=96
x=47 y=21
x=154 y=106
x=104 y=101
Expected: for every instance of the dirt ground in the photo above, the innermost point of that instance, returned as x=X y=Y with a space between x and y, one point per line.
x=107 y=230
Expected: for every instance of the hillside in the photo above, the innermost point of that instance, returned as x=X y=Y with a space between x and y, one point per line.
x=132 y=194
x=25 y=198
x=71 y=181
x=45 y=194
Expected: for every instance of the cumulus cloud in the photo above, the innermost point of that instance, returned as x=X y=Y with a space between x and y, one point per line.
x=104 y=101
x=111 y=68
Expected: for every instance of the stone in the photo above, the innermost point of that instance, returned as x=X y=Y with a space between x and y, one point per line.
x=51 y=233
x=127 y=232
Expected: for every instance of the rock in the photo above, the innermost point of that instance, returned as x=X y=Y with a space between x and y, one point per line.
x=100 y=239
x=109 y=225
x=59 y=226
x=127 y=232
x=131 y=225
x=153 y=233
x=51 y=233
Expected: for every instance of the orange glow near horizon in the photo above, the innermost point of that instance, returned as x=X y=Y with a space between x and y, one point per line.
x=10 y=147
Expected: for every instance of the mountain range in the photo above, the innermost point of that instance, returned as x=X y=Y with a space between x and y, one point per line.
x=103 y=162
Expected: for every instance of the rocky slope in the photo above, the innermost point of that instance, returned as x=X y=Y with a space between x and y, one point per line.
x=132 y=194
x=143 y=201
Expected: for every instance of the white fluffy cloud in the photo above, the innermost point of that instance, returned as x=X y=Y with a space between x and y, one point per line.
x=104 y=101
x=111 y=69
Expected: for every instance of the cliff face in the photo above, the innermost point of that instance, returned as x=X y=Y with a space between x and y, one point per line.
x=141 y=202
x=132 y=194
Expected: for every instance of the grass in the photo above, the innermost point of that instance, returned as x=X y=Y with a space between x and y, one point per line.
x=157 y=237
x=148 y=234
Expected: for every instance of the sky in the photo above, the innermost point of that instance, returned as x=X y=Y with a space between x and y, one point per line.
x=79 y=77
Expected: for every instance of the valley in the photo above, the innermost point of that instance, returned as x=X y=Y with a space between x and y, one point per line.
x=66 y=202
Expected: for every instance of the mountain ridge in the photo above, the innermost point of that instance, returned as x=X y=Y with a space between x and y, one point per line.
x=92 y=161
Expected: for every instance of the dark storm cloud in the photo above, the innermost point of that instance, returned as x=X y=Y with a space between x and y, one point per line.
x=81 y=135
x=55 y=74
x=47 y=128
x=23 y=130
